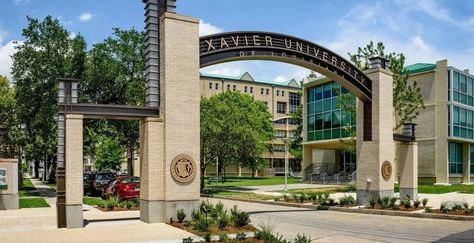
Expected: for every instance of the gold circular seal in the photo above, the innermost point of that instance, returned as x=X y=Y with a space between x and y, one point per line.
x=183 y=168
x=386 y=170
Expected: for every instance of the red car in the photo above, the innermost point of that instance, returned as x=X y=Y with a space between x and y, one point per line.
x=124 y=187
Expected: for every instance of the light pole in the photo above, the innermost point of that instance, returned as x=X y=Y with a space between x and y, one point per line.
x=286 y=140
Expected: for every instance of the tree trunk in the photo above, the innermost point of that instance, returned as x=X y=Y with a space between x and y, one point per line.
x=203 y=171
x=253 y=173
x=36 y=169
x=130 y=162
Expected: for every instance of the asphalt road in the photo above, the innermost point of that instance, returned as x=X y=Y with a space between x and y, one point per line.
x=328 y=226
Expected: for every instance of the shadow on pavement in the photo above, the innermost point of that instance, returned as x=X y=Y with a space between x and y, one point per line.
x=88 y=221
x=465 y=236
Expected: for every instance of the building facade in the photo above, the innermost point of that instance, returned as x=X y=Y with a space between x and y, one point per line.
x=281 y=99
x=444 y=131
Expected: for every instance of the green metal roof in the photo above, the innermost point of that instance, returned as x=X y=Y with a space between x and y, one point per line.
x=290 y=83
x=420 y=67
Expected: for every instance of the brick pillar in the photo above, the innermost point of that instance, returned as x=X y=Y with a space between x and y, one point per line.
x=372 y=154
x=178 y=134
x=408 y=160
x=74 y=173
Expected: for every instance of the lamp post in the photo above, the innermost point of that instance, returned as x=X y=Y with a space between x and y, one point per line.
x=286 y=140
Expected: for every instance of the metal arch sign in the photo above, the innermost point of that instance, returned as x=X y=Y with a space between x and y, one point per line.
x=234 y=46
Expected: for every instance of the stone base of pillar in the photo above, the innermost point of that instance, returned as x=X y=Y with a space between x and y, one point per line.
x=411 y=192
x=467 y=183
x=74 y=216
x=163 y=211
x=9 y=201
x=364 y=196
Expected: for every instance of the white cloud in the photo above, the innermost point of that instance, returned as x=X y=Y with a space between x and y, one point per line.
x=6 y=62
x=72 y=35
x=86 y=17
x=420 y=43
x=280 y=79
x=208 y=29
x=21 y=2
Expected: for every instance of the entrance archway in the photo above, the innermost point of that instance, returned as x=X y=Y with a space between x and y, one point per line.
x=254 y=45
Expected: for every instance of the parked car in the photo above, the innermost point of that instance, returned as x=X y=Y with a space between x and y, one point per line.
x=124 y=187
x=102 y=179
x=88 y=181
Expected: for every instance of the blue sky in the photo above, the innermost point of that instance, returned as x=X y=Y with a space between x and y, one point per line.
x=424 y=30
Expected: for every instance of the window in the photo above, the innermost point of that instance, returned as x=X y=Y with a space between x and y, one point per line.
x=278 y=148
x=462 y=88
x=278 y=92
x=245 y=89
x=282 y=93
x=280 y=133
x=330 y=122
x=261 y=90
x=210 y=85
x=294 y=101
x=217 y=85
x=268 y=91
x=234 y=87
x=280 y=121
x=281 y=107
x=463 y=122
x=228 y=87
x=251 y=90
x=455 y=158
x=472 y=160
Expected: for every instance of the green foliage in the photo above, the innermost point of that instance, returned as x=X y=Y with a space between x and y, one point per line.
x=347 y=200
x=234 y=128
x=424 y=201
x=406 y=203
x=202 y=224
x=416 y=203
x=10 y=134
x=188 y=240
x=223 y=221
x=195 y=214
x=372 y=202
x=303 y=198
x=224 y=238
x=303 y=238
x=180 y=215
x=109 y=154
x=393 y=200
x=112 y=202
x=407 y=99
x=46 y=54
x=241 y=236
x=295 y=148
x=36 y=202
x=428 y=209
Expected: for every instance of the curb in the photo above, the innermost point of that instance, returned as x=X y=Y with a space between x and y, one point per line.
x=355 y=210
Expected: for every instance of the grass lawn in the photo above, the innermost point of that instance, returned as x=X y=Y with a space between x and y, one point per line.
x=92 y=201
x=433 y=189
x=239 y=195
x=248 y=181
x=345 y=188
x=37 y=202
x=28 y=190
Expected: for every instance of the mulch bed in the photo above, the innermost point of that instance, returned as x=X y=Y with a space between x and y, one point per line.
x=117 y=209
x=253 y=240
x=401 y=209
x=460 y=213
x=214 y=230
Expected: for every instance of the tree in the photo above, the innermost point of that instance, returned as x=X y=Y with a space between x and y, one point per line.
x=234 y=128
x=115 y=74
x=407 y=99
x=9 y=129
x=109 y=154
x=47 y=53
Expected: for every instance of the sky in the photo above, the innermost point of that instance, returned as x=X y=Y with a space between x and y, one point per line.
x=424 y=30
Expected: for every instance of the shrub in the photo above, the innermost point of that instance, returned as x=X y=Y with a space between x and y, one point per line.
x=223 y=221
x=470 y=211
x=303 y=198
x=128 y=204
x=456 y=206
x=195 y=215
x=424 y=201
x=219 y=208
x=443 y=205
x=205 y=207
x=241 y=236
x=233 y=212
x=396 y=207
x=465 y=205
x=112 y=202
x=406 y=203
x=188 y=240
x=445 y=210
x=286 y=198
x=223 y=238
x=313 y=197
x=207 y=237
x=393 y=200
x=385 y=202
x=325 y=196
x=416 y=203
x=372 y=202
x=296 y=198
x=242 y=219
x=202 y=224
x=347 y=200
x=428 y=210
x=180 y=215
x=102 y=205
x=320 y=197
x=379 y=201
x=303 y=238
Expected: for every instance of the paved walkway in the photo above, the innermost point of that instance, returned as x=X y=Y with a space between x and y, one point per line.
x=48 y=193
x=273 y=189
x=330 y=226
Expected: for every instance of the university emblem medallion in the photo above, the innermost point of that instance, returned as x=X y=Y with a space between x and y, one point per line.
x=386 y=170
x=183 y=168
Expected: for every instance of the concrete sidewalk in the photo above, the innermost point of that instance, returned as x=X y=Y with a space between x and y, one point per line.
x=48 y=193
